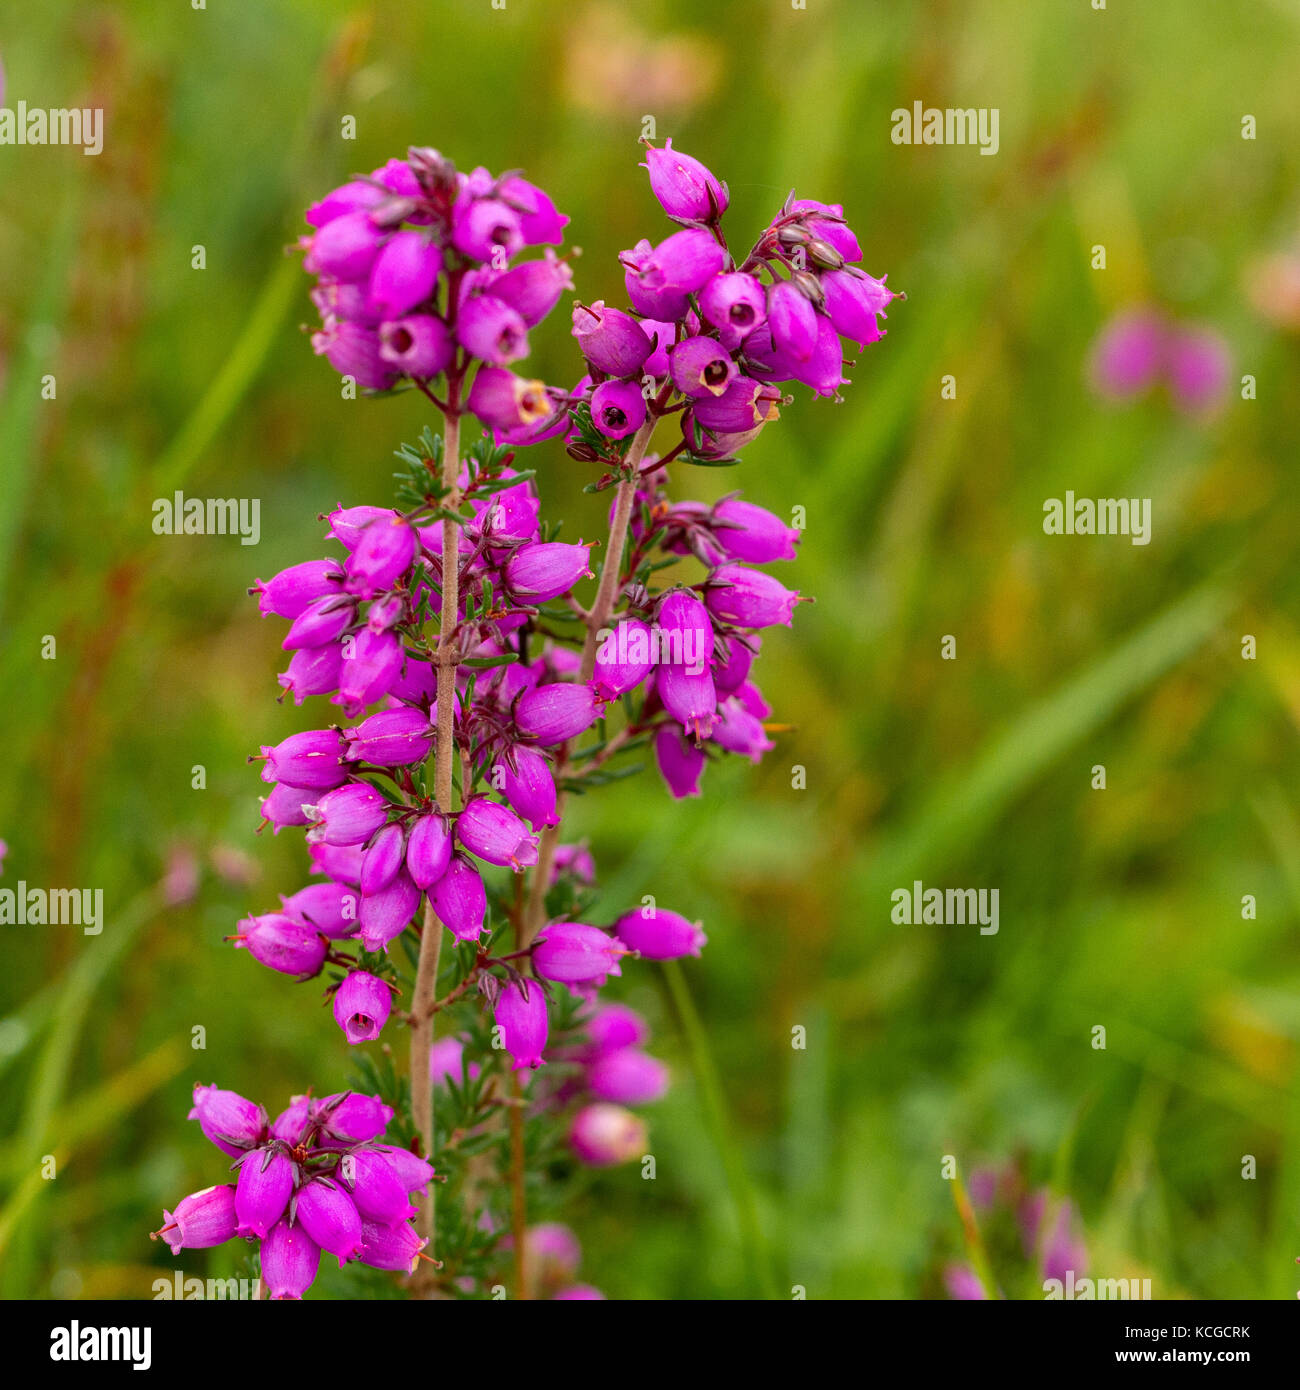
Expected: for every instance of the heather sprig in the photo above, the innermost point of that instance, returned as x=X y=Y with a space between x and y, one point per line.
x=476 y=687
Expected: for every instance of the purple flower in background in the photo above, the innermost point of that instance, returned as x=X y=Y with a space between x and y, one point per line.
x=658 y=934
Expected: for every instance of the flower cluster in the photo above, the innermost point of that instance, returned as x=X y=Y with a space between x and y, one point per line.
x=315 y=1179
x=1142 y=349
x=479 y=686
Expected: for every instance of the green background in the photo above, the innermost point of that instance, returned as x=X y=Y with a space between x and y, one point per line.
x=1119 y=908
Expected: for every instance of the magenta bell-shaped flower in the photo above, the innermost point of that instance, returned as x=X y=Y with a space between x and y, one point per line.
x=201 y=1220
x=603 y=1134
x=282 y=944
x=685 y=262
x=485 y=227
x=290 y=1259
x=313 y=671
x=533 y=289
x=353 y=350
x=376 y=1190
x=330 y=1217
x=391 y=738
x=612 y=341
x=351 y=1118
x=284 y=806
x=617 y=408
x=362 y=1004
x=520 y=1014
x=493 y=832
x=348 y=524
x=529 y=786
x=348 y=815
x=573 y=953
x=385 y=552
x=552 y=714
x=689 y=697
x=382 y=859
x=404 y=274
x=749 y=598
x=753 y=534
x=489 y=329
x=327 y=908
x=627 y=1077
x=320 y=623
x=743 y=406
x=657 y=934
x=345 y=247
x=460 y=900
x=734 y=303
x=229 y=1121
x=623 y=658
x=412 y=1171
x=681 y=763
x=384 y=915
x=505 y=401
x=288 y=593
x=390 y=1247
x=792 y=320
x=310 y=760
x=611 y=1027
x=263 y=1191
x=417 y=345
x=546 y=569
x=662 y=306
x=686 y=190
x=739 y=731
x=428 y=850
x=701 y=367
x=854 y=299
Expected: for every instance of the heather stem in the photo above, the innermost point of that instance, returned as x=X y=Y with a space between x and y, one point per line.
x=426 y=973
x=606 y=594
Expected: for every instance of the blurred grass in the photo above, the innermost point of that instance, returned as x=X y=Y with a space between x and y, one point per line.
x=1120 y=907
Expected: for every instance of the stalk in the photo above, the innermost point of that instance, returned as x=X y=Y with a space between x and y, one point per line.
x=426 y=973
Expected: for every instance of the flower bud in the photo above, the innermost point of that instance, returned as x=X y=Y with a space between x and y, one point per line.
x=370 y=666
x=404 y=274
x=288 y=593
x=320 y=623
x=354 y=351
x=552 y=714
x=382 y=859
x=493 y=832
x=385 y=915
x=428 y=850
x=384 y=553
x=602 y=1135
x=657 y=934
x=351 y=1118
x=749 y=598
x=681 y=764
x=753 y=534
x=290 y=1259
x=546 y=569
x=612 y=341
x=460 y=900
x=573 y=953
x=201 y=1220
x=232 y=1123
x=390 y=1247
x=362 y=1004
x=330 y=1218
x=830 y=227
x=685 y=262
x=263 y=1191
x=348 y=815
x=853 y=300
x=281 y=944
x=283 y=805
x=529 y=786
x=391 y=738
x=345 y=247
x=665 y=306
x=412 y=1171
x=312 y=760
x=520 y=1014
x=686 y=190
x=327 y=908
x=613 y=1026
x=313 y=671
x=627 y=1077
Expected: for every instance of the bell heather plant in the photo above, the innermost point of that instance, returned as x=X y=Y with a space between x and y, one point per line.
x=477 y=690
